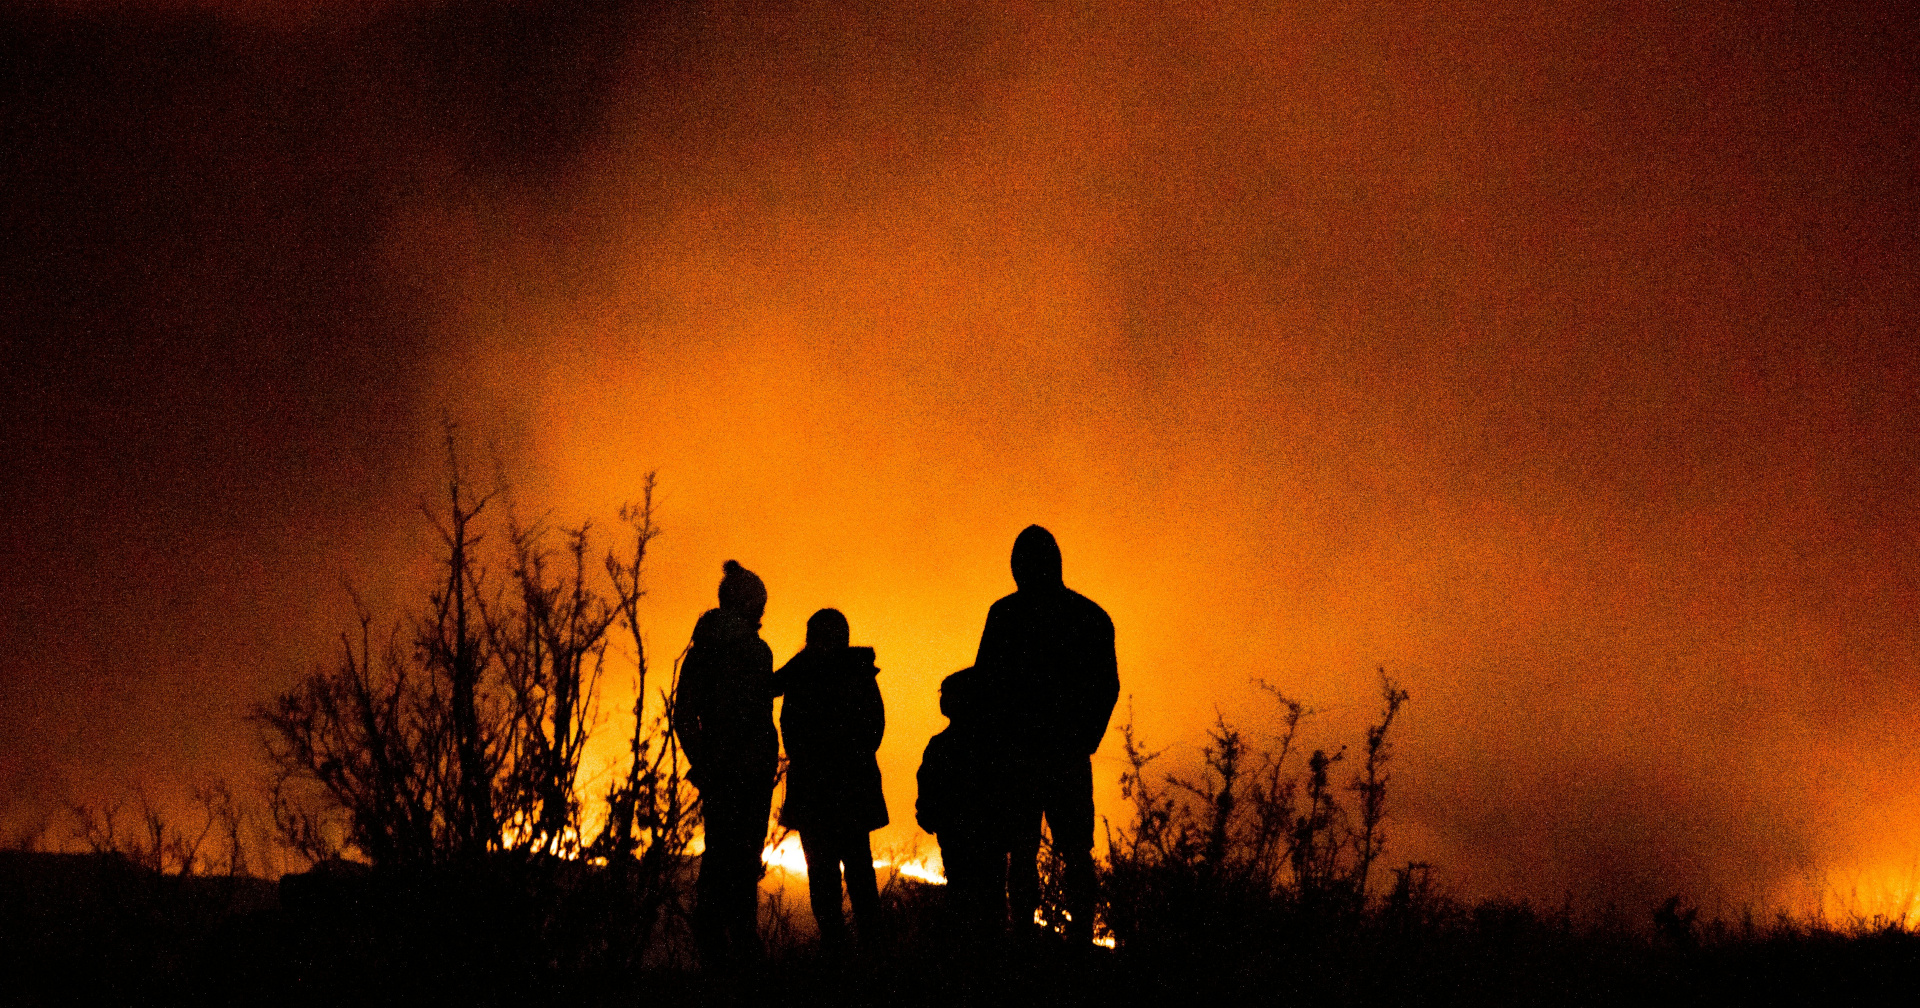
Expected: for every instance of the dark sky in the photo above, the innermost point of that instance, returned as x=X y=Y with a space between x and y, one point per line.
x=1558 y=360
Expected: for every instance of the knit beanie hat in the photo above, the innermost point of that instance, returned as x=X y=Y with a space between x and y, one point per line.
x=741 y=590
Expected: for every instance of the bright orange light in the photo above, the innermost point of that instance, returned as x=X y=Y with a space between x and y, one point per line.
x=567 y=846
x=1887 y=894
x=788 y=857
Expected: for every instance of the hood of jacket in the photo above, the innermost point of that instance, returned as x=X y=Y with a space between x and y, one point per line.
x=817 y=664
x=1036 y=560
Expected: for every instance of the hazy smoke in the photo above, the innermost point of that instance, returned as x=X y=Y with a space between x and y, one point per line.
x=1547 y=361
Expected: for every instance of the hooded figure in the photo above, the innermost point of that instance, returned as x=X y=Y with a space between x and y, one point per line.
x=1051 y=683
x=832 y=721
x=723 y=717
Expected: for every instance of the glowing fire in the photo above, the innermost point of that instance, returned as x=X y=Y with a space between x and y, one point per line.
x=1102 y=937
x=787 y=856
x=567 y=845
x=1889 y=895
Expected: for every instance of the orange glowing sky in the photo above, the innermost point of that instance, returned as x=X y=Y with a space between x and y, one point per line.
x=1560 y=363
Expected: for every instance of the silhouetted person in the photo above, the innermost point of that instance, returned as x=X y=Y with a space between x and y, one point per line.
x=1047 y=652
x=723 y=716
x=964 y=801
x=832 y=722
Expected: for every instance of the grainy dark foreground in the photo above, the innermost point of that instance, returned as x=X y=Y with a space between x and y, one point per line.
x=88 y=928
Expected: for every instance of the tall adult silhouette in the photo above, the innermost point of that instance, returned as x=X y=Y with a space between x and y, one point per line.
x=1047 y=654
x=833 y=721
x=723 y=716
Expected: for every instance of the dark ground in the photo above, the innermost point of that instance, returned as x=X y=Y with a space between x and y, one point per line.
x=97 y=929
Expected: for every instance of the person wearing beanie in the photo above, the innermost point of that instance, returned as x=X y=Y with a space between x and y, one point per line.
x=1051 y=680
x=832 y=722
x=723 y=718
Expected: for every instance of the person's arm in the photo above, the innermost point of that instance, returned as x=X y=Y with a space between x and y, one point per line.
x=800 y=713
x=873 y=715
x=1103 y=681
x=933 y=802
x=995 y=644
x=690 y=698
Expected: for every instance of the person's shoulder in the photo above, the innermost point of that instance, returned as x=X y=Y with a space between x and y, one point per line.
x=796 y=667
x=1087 y=607
x=710 y=625
x=939 y=747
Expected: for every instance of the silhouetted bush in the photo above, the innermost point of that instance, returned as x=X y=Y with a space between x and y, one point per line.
x=1260 y=840
x=431 y=783
x=455 y=754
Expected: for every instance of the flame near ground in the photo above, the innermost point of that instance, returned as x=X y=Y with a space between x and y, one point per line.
x=787 y=857
x=788 y=865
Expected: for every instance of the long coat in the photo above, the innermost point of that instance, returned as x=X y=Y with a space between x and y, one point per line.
x=832 y=721
x=723 y=706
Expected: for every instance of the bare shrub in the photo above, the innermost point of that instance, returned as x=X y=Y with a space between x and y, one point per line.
x=149 y=842
x=1254 y=835
x=467 y=737
x=459 y=741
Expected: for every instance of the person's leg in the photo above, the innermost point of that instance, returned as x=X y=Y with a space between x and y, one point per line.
x=1023 y=869
x=748 y=838
x=976 y=890
x=713 y=891
x=963 y=883
x=863 y=890
x=735 y=819
x=1025 y=803
x=993 y=906
x=823 y=885
x=1069 y=815
x=709 y=929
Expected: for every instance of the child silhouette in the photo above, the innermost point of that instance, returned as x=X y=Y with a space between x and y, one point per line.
x=963 y=802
